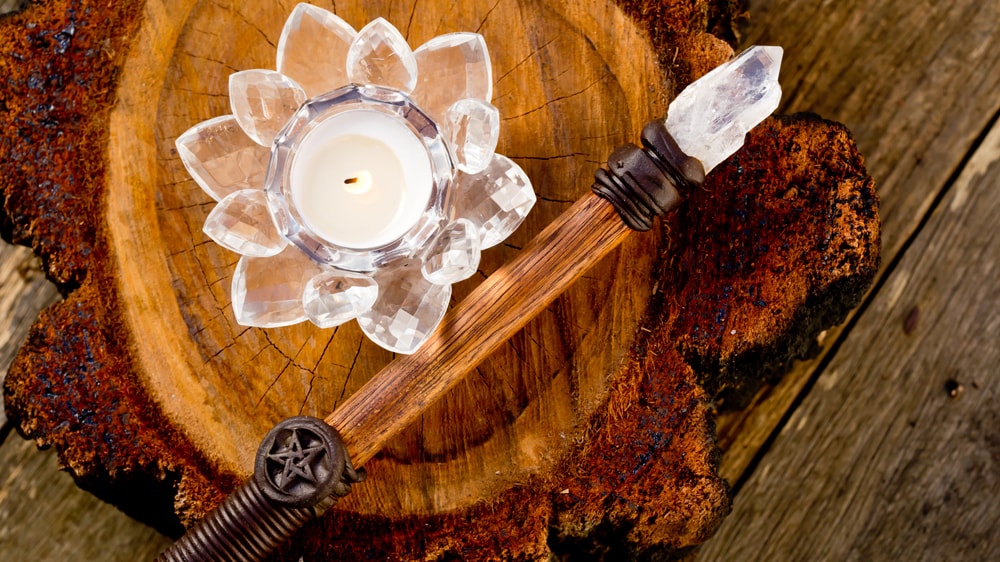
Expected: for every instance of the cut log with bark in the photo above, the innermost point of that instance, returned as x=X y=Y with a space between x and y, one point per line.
x=588 y=434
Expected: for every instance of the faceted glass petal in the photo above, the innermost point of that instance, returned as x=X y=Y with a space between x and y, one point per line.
x=313 y=49
x=380 y=56
x=454 y=254
x=263 y=101
x=267 y=292
x=473 y=127
x=452 y=67
x=221 y=157
x=408 y=310
x=242 y=223
x=496 y=199
x=711 y=117
x=334 y=297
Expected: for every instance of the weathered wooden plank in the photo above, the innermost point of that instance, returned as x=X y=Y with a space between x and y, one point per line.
x=916 y=82
x=45 y=516
x=895 y=453
x=23 y=292
x=7 y=6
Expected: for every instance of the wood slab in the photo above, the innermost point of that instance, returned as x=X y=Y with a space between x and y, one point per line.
x=143 y=371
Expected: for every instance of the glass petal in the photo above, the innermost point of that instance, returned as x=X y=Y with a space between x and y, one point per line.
x=454 y=254
x=496 y=199
x=263 y=101
x=334 y=297
x=267 y=292
x=242 y=223
x=452 y=67
x=473 y=127
x=408 y=310
x=313 y=48
x=380 y=56
x=221 y=157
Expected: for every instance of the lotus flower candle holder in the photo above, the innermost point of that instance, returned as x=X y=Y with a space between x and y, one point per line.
x=359 y=180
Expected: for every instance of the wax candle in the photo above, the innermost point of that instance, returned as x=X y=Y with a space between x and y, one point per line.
x=361 y=179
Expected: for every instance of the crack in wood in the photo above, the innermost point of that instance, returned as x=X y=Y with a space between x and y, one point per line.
x=409 y=20
x=290 y=362
x=314 y=371
x=523 y=61
x=482 y=22
x=223 y=64
x=234 y=10
x=555 y=101
x=350 y=373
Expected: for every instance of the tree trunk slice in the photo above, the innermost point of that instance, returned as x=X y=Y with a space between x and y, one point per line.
x=587 y=433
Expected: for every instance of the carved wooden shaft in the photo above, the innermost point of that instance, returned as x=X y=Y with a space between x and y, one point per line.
x=287 y=488
x=640 y=184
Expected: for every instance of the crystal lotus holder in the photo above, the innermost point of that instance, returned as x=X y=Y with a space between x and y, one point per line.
x=359 y=180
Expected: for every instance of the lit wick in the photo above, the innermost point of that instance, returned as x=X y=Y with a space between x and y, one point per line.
x=358 y=184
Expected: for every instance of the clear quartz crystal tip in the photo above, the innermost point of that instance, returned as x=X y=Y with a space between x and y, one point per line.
x=711 y=117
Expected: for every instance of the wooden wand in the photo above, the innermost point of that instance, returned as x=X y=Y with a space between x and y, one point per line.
x=304 y=464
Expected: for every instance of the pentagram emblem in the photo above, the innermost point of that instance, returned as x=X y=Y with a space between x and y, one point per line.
x=297 y=461
x=300 y=462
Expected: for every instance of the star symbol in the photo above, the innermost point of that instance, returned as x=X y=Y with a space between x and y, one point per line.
x=297 y=461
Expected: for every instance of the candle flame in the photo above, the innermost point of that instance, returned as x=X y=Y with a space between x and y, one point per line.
x=358 y=184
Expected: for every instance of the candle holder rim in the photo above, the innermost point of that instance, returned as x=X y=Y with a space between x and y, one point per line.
x=313 y=113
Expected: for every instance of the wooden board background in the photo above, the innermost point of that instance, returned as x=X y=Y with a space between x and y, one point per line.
x=861 y=453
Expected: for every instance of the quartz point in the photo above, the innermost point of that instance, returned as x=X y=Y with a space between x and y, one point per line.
x=380 y=56
x=221 y=158
x=454 y=255
x=496 y=199
x=242 y=223
x=263 y=101
x=711 y=117
x=313 y=48
x=334 y=297
x=452 y=67
x=267 y=292
x=408 y=310
x=474 y=128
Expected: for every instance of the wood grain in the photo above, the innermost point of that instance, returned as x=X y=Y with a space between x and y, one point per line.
x=45 y=516
x=916 y=84
x=895 y=453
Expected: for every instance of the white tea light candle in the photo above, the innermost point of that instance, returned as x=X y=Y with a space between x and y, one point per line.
x=361 y=179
